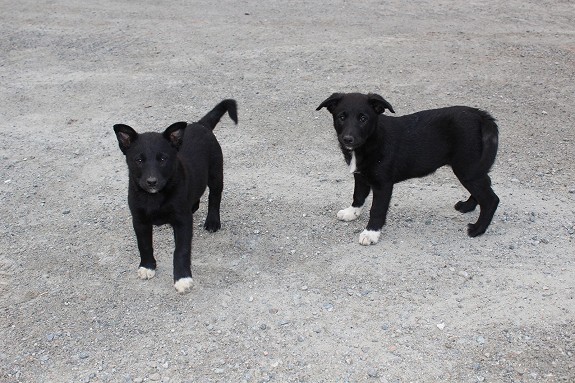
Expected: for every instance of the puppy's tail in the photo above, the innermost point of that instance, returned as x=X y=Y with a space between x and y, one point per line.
x=211 y=119
x=490 y=140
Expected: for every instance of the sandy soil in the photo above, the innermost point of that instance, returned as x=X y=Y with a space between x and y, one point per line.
x=284 y=292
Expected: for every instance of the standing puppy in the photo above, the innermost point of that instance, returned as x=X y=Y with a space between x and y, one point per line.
x=168 y=173
x=382 y=151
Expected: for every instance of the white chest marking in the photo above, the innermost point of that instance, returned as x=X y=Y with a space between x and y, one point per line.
x=352 y=163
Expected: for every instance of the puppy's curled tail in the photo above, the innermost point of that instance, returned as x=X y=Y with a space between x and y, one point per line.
x=490 y=141
x=211 y=119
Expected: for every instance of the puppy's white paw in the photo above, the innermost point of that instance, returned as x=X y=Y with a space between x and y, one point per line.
x=369 y=237
x=184 y=285
x=349 y=214
x=145 y=273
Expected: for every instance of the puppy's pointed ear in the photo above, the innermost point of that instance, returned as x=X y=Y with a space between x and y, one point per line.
x=126 y=136
x=175 y=133
x=379 y=104
x=331 y=102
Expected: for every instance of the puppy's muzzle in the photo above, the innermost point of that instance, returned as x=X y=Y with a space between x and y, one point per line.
x=349 y=141
x=150 y=185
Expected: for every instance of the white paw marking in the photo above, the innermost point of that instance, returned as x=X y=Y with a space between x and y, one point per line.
x=183 y=285
x=349 y=214
x=145 y=273
x=369 y=237
x=352 y=163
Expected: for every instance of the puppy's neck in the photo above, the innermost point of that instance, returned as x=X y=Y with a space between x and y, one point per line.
x=353 y=162
x=351 y=159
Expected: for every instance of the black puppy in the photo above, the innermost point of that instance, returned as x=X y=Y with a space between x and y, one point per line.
x=168 y=173
x=382 y=151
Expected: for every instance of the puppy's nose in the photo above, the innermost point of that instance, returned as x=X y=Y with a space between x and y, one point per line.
x=152 y=181
x=348 y=140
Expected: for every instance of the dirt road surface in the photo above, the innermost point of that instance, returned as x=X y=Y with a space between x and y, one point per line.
x=284 y=292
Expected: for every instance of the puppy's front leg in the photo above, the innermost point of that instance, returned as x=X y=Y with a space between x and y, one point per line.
x=182 y=257
x=143 y=231
x=360 y=192
x=377 y=214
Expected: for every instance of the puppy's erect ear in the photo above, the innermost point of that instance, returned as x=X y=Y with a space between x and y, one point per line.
x=331 y=102
x=379 y=104
x=175 y=133
x=126 y=136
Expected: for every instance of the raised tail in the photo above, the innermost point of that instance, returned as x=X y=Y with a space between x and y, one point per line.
x=211 y=119
x=490 y=140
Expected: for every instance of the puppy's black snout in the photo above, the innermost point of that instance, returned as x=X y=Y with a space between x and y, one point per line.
x=348 y=140
x=152 y=181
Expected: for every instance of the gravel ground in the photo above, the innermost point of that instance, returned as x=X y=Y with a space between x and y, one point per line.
x=284 y=293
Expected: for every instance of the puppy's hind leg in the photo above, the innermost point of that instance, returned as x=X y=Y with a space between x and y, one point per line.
x=360 y=192
x=488 y=201
x=466 y=206
x=216 y=186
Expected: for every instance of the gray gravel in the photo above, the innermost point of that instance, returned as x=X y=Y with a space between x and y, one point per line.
x=284 y=293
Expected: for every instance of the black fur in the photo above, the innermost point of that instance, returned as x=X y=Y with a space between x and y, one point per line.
x=392 y=149
x=168 y=173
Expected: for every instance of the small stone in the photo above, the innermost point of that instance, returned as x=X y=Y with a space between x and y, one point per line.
x=372 y=373
x=263 y=326
x=219 y=370
x=441 y=326
x=304 y=287
x=480 y=339
x=138 y=380
x=66 y=212
x=83 y=355
x=155 y=377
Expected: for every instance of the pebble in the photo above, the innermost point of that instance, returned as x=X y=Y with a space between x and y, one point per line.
x=441 y=326
x=83 y=355
x=138 y=380
x=155 y=377
x=372 y=373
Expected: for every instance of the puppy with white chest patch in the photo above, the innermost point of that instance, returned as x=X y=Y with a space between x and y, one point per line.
x=168 y=173
x=383 y=150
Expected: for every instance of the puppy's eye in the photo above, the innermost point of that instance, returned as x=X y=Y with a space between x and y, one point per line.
x=362 y=118
x=139 y=160
x=162 y=158
x=341 y=117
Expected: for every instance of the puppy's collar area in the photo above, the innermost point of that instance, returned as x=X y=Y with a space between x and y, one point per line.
x=353 y=163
